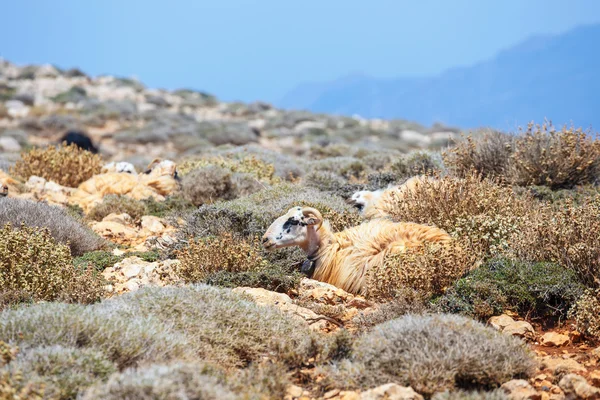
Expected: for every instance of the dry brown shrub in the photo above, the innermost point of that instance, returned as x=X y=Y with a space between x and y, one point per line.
x=481 y=212
x=118 y=204
x=67 y=165
x=35 y=265
x=430 y=268
x=488 y=153
x=205 y=256
x=565 y=233
x=586 y=313
x=558 y=159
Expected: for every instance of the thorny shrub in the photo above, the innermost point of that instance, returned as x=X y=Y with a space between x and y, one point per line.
x=433 y=353
x=63 y=227
x=252 y=165
x=566 y=233
x=162 y=381
x=63 y=371
x=558 y=159
x=67 y=165
x=205 y=256
x=430 y=268
x=12 y=383
x=586 y=313
x=488 y=153
x=117 y=204
x=32 y=263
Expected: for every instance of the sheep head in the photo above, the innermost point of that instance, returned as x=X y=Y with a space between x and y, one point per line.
x=361 y=198
x=292 y=228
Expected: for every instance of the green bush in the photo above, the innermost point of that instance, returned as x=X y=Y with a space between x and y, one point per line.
x=536 y=289
x=34 y=267
x=433 y=353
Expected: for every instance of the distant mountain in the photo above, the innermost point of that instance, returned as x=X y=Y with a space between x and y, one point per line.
x=553 y=77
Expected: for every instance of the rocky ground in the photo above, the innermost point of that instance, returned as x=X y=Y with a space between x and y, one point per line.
x=129 y=122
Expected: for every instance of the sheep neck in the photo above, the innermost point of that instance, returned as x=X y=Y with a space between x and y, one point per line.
x=315 y=241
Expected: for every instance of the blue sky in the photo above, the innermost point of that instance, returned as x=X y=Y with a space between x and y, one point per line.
x=258 y=50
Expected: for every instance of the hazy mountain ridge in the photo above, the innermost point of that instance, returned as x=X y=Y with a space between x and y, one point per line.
x=550 y=77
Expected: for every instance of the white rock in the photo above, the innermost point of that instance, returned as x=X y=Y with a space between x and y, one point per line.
x=131 y=270
x=131 y=285
x=522 y=329
x=391 y=391
x=9 y=144
x=520 y=389
x=501 y=321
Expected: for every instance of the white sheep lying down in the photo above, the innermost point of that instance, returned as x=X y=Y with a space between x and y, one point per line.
x=343 y=258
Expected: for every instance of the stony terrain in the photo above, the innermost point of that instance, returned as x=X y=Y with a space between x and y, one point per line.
x=150 y=285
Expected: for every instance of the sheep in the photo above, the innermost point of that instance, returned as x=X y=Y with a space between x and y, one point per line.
x=375 y=204
x=343 y=258
x=158 y=180
x=79 y=139
x=121 y=166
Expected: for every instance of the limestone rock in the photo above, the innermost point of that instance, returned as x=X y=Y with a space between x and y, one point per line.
x=284 y=303
x=520 y=389
x=576 y=387
x=294 y=391
x=501 y=321
x=391 y=391
x=132 y=273
x=522 y=329
x=9 y=144
x=554 y=363
x=554 y=339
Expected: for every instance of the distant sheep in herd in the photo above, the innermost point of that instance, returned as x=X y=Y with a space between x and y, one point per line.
x=158 y=181
x=343 y=258
x=377 y=203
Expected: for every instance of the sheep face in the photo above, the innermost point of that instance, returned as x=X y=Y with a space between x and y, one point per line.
x=361 y=198
x=291 y=229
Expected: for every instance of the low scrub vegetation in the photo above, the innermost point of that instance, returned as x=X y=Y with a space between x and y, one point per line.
x=567 y=233
x=541 y=155
x=433 y=353
x=531 y=289
x=117 y=204
x=67 y=165
x=62 y=226
x=586 y=312
x=34 y=267
x=252 y=215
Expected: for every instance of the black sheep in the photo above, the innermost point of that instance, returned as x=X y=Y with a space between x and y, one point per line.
x=79 y=139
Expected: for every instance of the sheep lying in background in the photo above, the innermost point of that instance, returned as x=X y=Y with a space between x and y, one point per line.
x=158 y=181
x=121 y=166
x=374 y=204
x=343 y=259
